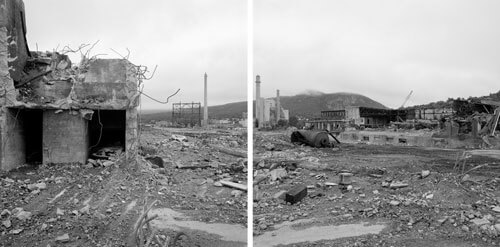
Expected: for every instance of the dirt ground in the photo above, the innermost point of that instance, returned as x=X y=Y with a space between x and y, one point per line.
x=87 y=205
x=445 y=208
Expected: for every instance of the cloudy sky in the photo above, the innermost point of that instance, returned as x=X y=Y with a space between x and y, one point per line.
x=381 y=49
x=185 y=38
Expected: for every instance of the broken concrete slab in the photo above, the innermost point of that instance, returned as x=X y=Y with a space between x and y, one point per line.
x=278 y=174
x=397 y=185
x=234 y=185
x=63 y=238
x=23 y=215
x=37 y=186
x=425 y=173
x=480 y=222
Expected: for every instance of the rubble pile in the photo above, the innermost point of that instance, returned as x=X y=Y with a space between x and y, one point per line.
x=97 y=204
x=415 y=191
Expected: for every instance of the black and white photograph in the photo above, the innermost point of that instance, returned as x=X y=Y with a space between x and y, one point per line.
x=249 y=123
x=123 y=123
x=376 y=123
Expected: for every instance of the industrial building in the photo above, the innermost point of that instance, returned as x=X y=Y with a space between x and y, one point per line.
x=268 y=112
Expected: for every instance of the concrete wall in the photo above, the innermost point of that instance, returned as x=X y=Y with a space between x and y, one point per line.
x=12 y=19
x=12 y=138
x=405 y=139
x=10 y=134
x=65 y=137
x=108 y=84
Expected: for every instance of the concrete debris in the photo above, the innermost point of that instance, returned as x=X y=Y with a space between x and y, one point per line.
x=345 y=178
x=23 y=215
x=280 y=195
x=179 y=138
x=397 y=185
x=59 y=211
x=480 y=222
x=5 y=212
x=85 y=210
x=16 y=231
x=156 y=160
x=192 y=165
x=296 y=194
x=330 y=184
x=37 y=186
x=63 y=238
x=234 y=185
x=7 y=223
x=278 y=174
x=108 y=153
x=425 y=173
x=236 y=193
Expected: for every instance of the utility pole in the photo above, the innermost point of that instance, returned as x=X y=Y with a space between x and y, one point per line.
x=205 y=106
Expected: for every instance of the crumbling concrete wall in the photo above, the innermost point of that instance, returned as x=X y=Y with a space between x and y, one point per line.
x=8 y=139
x=106 y=84
x=65 y=137
x=51 y=83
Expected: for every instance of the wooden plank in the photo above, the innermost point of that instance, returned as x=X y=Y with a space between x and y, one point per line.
x=234 y=185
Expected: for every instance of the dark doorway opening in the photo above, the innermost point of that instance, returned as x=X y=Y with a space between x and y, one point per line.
x=26 y=134
x=107 y=130
x=33 y=129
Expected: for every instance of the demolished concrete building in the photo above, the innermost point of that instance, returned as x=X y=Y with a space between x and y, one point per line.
x=54 y=112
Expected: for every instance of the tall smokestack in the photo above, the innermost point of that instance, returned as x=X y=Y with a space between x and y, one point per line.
x=278 y=106
x=205 y=107
x=258 y=107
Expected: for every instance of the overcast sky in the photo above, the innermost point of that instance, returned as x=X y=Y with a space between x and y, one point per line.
x=381 y=49
x=185 y=38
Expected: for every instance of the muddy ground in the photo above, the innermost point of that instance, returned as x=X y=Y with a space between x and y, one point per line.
x=444 y=208
x=96 y=205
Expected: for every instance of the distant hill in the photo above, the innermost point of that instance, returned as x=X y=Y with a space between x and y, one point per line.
x=231 y=110
x=308 y=104
x=449 y=102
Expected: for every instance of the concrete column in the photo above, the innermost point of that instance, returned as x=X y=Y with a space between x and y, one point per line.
x=131 y=134
x=12 y=139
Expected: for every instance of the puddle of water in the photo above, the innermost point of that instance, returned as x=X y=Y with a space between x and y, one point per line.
x=168 y=218
x=288 y=234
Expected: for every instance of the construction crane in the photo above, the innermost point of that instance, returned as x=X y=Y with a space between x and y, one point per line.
x=406 y=100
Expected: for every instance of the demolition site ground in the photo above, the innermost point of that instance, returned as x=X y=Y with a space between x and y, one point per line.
x=398 y=195
x=100 y=203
